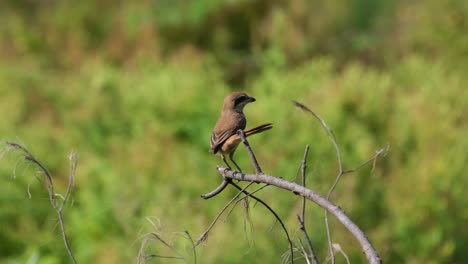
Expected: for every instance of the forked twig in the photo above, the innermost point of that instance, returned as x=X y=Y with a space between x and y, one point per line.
x=341 y=172
x=331 y=136
x=311 y=256
x=193 y=249
x=143 y=258
x=247 y=194
x=307 y=258
x=50 y=187
x=258 y=171
x=368 y=249
x=205 y=234
x=338 y=248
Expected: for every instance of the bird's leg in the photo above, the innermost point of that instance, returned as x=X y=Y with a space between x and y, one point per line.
x=231 y=155
x=225 y=161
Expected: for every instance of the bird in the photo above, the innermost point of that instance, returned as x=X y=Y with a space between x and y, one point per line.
x=225 y=139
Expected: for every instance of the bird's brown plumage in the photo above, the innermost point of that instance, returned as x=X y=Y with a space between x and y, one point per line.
x=224 y=138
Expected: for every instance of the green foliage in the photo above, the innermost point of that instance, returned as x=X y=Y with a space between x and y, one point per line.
x=136 y=88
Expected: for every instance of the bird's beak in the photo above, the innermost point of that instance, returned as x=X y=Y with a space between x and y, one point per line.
x=251 y=99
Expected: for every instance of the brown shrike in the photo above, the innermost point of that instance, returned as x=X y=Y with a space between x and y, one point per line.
x=225 y=139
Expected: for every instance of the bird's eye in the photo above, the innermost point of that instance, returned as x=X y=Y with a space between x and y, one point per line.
x=239 y=99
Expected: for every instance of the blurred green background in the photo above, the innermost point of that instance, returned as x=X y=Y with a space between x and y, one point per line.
x=135 y=88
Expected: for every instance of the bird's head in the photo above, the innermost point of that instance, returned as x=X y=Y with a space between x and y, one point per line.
x=236 y=101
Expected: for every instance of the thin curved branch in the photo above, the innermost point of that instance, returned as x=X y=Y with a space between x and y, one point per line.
x=205 y=234
x=371 y=254
x=241 y=134
x=331 y=136
x=338 y=248
x=73 y=157
x=258 y=170
x=301 y=247
x=50 y=187
x=193 y=249
x=372 y=160
x=216 y=191
x=143 y=258
x=311 y=256
x=247 y=194
x=341 y=172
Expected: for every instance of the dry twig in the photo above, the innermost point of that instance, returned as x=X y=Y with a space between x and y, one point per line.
x=216 y=191
x=258 y=171
x=143 y=258
x=205 y=234
x=156 y=235
x=58 y=206
x=311 y=195
x=341 y=172
x=311 y=256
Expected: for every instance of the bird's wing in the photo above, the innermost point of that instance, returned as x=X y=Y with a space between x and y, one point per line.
x=219 y=137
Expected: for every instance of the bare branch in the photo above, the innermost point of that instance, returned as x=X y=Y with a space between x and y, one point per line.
x=143 y=258
x=216 y=191
x=247 y=194
x=331 y=136
x=50 y=187
x=311 y=256
x=341 y=172
x=304 y=253
x=193 y=248
x=205 y=234
x=73 y=157
x=367 y=247
x=241 y=134
x=303 y=170
x=258 y=170
x=373 y=160
x=330 y=243
x=338 y=248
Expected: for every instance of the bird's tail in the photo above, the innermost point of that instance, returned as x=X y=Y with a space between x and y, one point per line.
x=258 y=129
